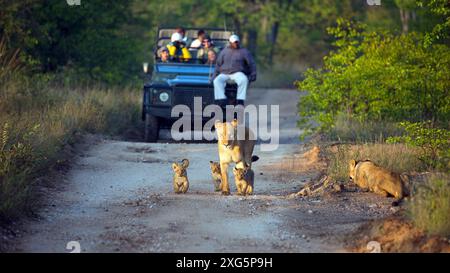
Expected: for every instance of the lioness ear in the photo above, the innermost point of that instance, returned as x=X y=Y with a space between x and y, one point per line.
x=352 y=163
x=174 y=166
x=185 y=163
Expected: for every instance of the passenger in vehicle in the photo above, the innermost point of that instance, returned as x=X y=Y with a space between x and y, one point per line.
x=198 y=42
x=207 y=45
x=177 y=49
x=164 y=55
x=212 y=56
x=182 y=31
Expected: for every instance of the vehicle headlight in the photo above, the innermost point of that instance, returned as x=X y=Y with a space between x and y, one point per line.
x=145 y=67
x=163 y=96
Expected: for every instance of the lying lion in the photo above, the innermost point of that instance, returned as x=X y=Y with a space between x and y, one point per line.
x=367 y=175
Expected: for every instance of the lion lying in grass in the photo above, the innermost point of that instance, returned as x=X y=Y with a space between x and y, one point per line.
x=367 y=175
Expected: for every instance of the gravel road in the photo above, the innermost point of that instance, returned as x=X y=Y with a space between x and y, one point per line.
x=117 y=197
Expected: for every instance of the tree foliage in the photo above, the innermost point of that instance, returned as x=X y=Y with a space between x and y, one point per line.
x=434 y=143
x=377 y=76
x=89 y=39
x=108 y=40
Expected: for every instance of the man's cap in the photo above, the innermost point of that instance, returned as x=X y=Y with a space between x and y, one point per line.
x=234 y=38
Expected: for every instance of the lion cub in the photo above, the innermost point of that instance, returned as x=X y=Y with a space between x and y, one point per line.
x=216 y=174
x=180 y=179
x=368 y=175
x=244 y=179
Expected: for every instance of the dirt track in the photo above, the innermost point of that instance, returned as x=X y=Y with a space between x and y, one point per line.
x=118 y=198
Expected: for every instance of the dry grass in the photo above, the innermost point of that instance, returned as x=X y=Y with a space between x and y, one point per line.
x=395 y=157
x=351 y=130
x=38 y=120
x=429 y=208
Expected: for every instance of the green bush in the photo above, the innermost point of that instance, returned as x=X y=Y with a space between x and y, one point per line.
x=434 y=143
x=376 y=76
x=429 y=207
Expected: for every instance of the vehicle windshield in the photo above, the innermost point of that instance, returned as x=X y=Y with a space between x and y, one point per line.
x=183 y=72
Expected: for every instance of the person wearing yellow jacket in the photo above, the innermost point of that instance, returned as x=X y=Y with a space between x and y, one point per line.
x=177 y=49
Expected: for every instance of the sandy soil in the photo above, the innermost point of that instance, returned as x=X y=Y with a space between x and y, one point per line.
x=118 y=197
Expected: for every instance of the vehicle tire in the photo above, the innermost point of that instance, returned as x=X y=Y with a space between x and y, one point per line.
x=151 y=128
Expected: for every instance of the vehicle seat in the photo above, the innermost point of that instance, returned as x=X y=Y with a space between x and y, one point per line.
x=193 y=52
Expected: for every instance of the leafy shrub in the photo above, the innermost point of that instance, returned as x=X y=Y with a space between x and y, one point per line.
x=376 y=76
x=434 y=143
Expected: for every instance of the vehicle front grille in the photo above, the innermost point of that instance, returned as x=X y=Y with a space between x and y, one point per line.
x=185 y=95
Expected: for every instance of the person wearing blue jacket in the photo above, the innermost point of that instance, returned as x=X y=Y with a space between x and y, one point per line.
x=237 y=64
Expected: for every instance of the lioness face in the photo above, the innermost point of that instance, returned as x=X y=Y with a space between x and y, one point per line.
x=352 y=169
x=226 y=133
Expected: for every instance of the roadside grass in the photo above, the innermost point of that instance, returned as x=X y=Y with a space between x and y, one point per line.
x=395 y=157
x=38 y=119
x=429 y=208
x=352 y=130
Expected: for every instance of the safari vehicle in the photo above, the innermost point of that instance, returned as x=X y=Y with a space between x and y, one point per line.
x=175 y=83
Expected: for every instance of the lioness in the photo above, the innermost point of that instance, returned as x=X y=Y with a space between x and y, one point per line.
x=180 y=179
x=244 y=179
x=216 y=174
x=233 y=148
x=368 y=175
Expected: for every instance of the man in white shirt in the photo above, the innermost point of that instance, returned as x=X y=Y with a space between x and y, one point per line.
x=198 y=42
